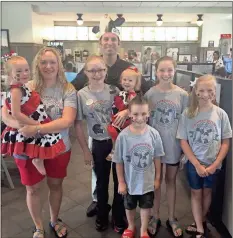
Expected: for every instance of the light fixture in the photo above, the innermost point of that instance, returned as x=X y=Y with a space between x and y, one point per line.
x=199 y=20
x=79 y=20
x=159 y=21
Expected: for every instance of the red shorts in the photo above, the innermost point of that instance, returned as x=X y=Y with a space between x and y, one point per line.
x=55 y=168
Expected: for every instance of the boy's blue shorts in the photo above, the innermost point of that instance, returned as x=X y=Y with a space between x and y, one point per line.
x=197 y=182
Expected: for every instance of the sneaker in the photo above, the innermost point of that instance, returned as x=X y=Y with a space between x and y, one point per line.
x=92 y=209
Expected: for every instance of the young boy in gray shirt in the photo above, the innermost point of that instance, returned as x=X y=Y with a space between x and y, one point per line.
x=137 y=157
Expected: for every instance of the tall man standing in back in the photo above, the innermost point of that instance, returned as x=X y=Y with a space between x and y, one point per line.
x=109 y=45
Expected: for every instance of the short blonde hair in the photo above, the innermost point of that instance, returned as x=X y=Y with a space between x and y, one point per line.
x=135 y=73
x=192 y=110
x=38 y=82
x=8 y=67
x=11 y=61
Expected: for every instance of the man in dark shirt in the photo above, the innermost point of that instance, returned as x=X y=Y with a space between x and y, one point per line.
x=109 y=44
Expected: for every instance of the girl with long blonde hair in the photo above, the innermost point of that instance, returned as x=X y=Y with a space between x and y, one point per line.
x=204 y=132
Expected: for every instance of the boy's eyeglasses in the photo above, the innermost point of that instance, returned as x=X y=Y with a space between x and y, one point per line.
x=93 y=72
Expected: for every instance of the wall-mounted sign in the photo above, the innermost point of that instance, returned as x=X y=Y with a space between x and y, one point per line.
x=225 y=36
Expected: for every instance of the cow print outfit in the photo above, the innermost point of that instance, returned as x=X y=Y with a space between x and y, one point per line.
x=46 y=146
x=120 y=104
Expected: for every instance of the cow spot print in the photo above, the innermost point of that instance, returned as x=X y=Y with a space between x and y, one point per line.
x=35 y=116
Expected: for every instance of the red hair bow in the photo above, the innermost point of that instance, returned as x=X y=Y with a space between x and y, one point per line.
x=133 y=68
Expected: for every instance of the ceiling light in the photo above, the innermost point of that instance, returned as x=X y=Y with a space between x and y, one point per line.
x=199 y=20
x=159 y=21
x=79 y=20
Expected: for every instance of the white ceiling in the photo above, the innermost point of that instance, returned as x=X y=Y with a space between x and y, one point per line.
x=173 y=11
x=135 y=4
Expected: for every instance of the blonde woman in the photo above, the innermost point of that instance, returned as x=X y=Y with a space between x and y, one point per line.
x=60 y=100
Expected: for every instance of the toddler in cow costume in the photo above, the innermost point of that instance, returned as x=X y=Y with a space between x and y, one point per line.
x=131 y=83
x=26 y=107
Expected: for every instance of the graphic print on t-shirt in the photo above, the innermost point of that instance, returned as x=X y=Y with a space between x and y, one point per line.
x=204 y=133
x=165 y=113
x=100 y=112
x=53 y=106
x=140 y=157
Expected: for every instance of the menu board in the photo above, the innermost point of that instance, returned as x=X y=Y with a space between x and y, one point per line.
x=119 y=29
x=193 y=33
x=160 y=34
x=170 y=33
x=138 y=33
x=149 y=33
x=71 y=33
x=82 y=33
x=91 y=35
x=182 y=34
x=127 y=33
x=60 y=32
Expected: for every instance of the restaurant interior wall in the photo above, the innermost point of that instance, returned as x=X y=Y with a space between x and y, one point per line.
x=213 y=27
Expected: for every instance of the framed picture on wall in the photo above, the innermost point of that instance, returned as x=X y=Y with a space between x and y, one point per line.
x=209 y=56
x=173 y=52
x=185 y=58
x=5 y=46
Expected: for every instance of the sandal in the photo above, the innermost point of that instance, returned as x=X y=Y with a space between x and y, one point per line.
x=200 y=234
x=154 y=224
x=173 y=230
x=146 y=236
x=129 y=233
x=38 y=233
x=60 y=226
x=192 y=229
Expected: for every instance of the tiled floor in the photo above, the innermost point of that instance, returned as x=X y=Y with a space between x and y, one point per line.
x=16 y=221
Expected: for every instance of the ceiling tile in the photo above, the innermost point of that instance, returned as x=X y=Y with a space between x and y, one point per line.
x=149 y=4
x=187 y=4
x=93 y=4
x=206 y=4
x=78 y=4
x=224 y=4
x=130 y=4
x=111 y=4
x=37 y=3
x=55 y=4
x=168 y=4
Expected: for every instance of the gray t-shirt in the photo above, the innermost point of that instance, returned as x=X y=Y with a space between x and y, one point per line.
x=205 y=132
x=95 y=108
x=166 y=108
x=137 y=153
x=54 y=102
